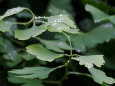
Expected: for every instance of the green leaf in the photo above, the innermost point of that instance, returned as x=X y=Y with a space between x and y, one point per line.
x=5 y=26
x=61 y=23
x=42 y=53
x=91 y=39
x=12 y=12
x=100 y=77
x=58 y=28
x=91 y=60
x=100 y=4
x=56 y=45
x=96 y=13
x=25 y=82
x=33 y=72
x=32 y=32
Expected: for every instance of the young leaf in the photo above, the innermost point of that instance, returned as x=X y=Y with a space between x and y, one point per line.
x=91 y=60
x=91 y=39
x=28 y=33
x=25 y=82
x=12 y=12
x=42 y=53
x=58 y=27
x=33 y=72
x=61 y=23
x=56 y=45
x=5 y=26
x=100 y=77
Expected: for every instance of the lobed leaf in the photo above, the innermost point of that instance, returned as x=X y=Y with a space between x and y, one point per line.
x=91 y=60
x=42 y=53
x=33 y=72
x=61 y=23
x=12 y=12
x=100 y=77
x=99 y=15
x=28 y=33
x=100 y=4
x=96 y=13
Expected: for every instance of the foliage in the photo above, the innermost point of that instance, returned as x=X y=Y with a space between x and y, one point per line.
x=34 y=50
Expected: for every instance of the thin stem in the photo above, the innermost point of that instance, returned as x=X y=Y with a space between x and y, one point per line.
x=31 y=12
x=26 y=23
x=60 y=66
x=83 y=74
x=73 y=55
x=41 y=17
x=40 y=21
x=68 y=37
x=67 y=63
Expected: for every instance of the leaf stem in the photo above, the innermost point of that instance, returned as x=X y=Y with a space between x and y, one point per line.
x=83 y=74
x=68 y=37
x=26 y=23
x=67 y=63
x=31 y=12
x=23 y=23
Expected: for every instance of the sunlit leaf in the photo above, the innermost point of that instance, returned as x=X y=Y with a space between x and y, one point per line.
x=61 y=23
x=12 y=12
x=91 y=60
